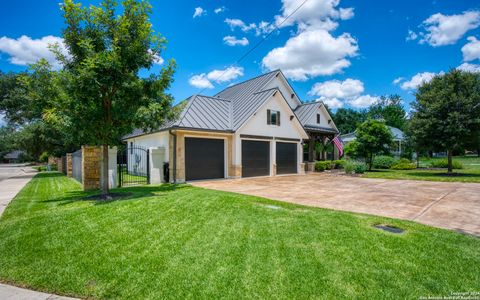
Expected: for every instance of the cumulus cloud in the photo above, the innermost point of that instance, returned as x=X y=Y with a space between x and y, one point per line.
x=312 y=53
x=314 y=13
x=25 y=50
x=443 y=29
x=259 y=29
x=205 y=80
x=411 y=36
x=219 y=10
x=348 y=88
x=363 y=101
x=472 y=68
x=471 y=50
x=415 y=81
x=333 y=103
x=233 y=41
x=398 y=80
x=199 y=12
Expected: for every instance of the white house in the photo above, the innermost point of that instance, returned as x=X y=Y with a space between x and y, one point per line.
x=254 y=128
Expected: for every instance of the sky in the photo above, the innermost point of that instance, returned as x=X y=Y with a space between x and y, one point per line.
x=346 y=53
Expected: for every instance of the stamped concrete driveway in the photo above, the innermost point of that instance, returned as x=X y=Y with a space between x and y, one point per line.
x=442 y=204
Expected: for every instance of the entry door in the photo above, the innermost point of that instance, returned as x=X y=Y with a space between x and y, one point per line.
x=255 y=158
x=286 y=158
x=204 y=158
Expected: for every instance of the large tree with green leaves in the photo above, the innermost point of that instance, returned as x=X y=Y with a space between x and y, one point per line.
x=347 y=119
x=390 y=110
x=104 y=97
x=447 y=112
x=372 y=138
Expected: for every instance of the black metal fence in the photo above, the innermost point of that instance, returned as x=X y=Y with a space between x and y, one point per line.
x=133 y=166
x=77 y=165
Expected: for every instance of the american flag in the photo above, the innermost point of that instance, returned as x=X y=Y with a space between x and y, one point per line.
x=339 y=144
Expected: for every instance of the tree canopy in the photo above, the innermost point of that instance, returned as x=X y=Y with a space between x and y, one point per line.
x=372 y=138
x=447 y=112
x=390 y=110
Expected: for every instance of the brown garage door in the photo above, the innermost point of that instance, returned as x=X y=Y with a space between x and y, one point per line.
x=255 y=158
x=286 y=158
x=204 y=158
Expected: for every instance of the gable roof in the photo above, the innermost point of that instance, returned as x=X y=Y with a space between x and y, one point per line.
x=305 y=112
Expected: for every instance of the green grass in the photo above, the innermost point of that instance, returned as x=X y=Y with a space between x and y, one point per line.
x=470 y=172
x=186 y=242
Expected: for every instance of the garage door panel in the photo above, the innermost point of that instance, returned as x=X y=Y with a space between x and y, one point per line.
x=286 y=156
x=204 y=158
x=255 y=158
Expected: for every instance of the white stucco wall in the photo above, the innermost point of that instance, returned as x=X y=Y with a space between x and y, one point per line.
x=324 y=117
x=154 y=140
x=257 y=125
x=279 y=82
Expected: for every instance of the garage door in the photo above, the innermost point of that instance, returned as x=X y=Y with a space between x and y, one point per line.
x=255 y=158
x=204 y=158
x=286 y=158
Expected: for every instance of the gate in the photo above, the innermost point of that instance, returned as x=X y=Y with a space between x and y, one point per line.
x=133 y=166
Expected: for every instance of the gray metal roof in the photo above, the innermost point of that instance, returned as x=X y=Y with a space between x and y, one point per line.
x=397 y=134
x=305 y=112
x=244 y=89
x=204 y=112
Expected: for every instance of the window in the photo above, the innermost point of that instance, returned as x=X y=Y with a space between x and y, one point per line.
x=273 y=117
x=318 y=118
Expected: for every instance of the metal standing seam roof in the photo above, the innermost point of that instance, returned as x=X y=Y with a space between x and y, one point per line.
x=304 y=113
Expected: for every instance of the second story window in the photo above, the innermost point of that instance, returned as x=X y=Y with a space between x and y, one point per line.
x=273 y=117
x=318 y=118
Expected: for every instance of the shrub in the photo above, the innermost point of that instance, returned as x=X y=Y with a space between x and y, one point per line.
x=354 y=167
x=383 y=162
x=339 y=163
x=324 y=165
x=443 y=163
x=43 y=157
x=403 y=164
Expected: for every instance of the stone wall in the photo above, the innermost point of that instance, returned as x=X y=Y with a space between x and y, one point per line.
x=91 y=158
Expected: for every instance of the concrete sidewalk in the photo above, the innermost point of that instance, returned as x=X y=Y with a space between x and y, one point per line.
x=8 y=292
x=9 y=188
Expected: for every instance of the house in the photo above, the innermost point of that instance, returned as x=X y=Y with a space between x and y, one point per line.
x=254 y=128
x=398 y=138
x=13 y=157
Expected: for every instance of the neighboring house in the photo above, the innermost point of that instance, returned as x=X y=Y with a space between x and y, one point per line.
x=254 y=128
x=398 y=138
x=13 y=157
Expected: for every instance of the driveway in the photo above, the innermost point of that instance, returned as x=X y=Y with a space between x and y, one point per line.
x=448 y=205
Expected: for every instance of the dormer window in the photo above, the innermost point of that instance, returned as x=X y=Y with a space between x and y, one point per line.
x=318 y=118
x=273 y=117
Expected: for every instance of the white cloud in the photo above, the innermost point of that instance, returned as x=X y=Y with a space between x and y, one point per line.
x=446 y=30
x=473 y=68
x=471 y=50
x=398 y=80
x=199 y=12
x=416 y=80
x=363 y=101
x=333 y=103
x=312 y=53
x=234 y=23
x=348 y=88
x=411 y=36
x=205 y=80
x=219 y=10
x=200 y=81
x=25 y=50
x=233 y=41
x=314 y=13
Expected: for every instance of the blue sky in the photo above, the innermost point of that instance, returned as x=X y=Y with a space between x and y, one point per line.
x=345 y=53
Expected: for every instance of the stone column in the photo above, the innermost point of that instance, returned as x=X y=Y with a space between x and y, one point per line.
x=91 y=156
x=69 y=165
x=112 y=168
x=157 y=159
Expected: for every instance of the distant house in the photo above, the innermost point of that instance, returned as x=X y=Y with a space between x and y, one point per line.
x=13 y=157
x=398 y=137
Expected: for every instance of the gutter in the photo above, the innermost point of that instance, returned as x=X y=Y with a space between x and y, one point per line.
x=174 y=156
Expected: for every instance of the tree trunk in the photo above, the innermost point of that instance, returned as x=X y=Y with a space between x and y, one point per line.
x=104 y=170
x=449 y=161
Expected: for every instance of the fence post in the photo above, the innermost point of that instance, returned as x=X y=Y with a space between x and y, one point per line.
x=156 y=159
x=112 y=167
x=69 y=165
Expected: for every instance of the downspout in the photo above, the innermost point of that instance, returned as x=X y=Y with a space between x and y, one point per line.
x=174 y=156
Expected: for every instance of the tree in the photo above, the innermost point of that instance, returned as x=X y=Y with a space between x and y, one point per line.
x=347 y=119
x=372 y=137
x=390 y=110
x=104 y=97
x=446 y=112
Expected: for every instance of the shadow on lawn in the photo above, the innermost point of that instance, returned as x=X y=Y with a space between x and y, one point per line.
x=442 y=174
x=130 y=193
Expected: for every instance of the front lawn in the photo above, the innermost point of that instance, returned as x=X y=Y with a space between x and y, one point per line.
x=470 y=172
x=185 y=242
